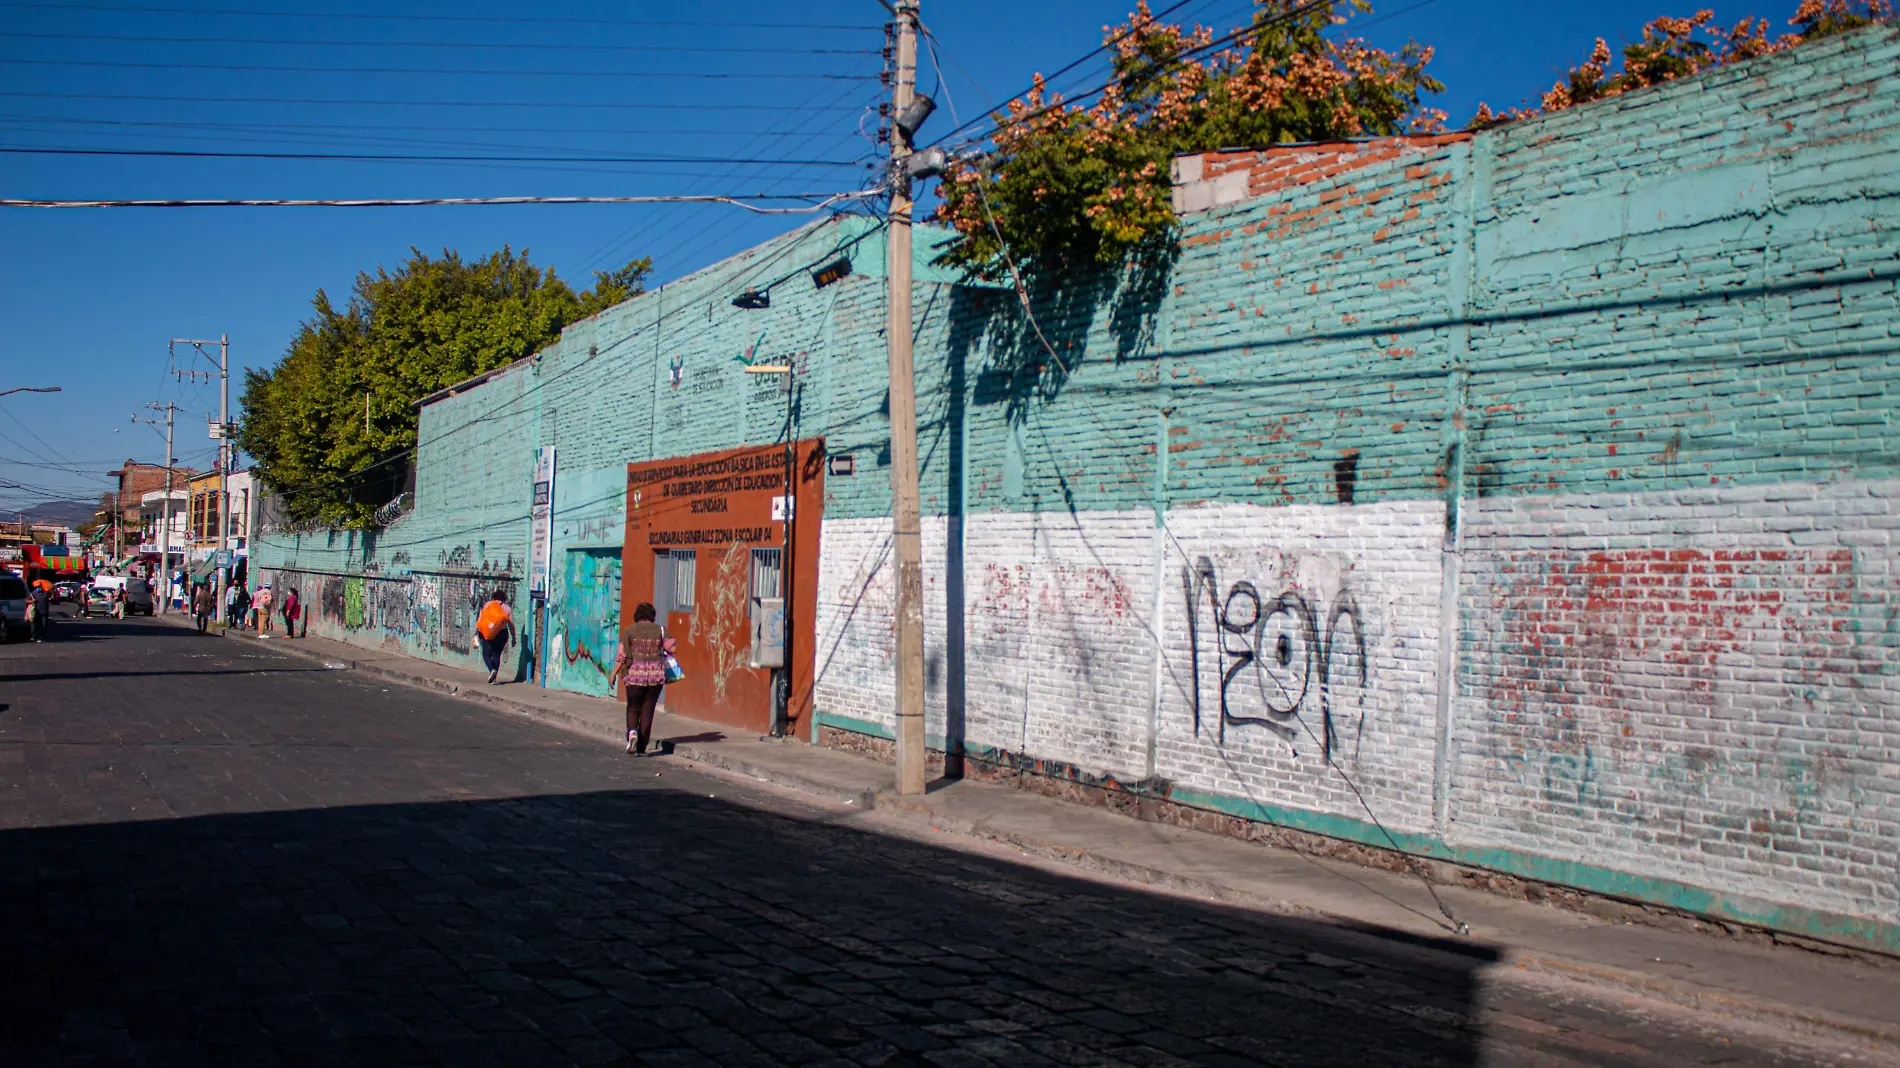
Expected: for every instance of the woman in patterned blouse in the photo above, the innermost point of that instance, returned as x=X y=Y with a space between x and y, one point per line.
x=642 y=662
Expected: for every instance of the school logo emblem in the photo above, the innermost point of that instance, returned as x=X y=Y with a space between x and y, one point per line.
x=751 y=353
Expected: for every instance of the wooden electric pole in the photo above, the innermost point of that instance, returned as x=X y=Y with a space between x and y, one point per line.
x=906 y=542
x=165 y=510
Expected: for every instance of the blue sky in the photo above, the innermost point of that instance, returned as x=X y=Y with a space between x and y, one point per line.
x=91 y=297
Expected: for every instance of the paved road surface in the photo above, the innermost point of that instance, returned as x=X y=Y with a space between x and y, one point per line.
x=214 y=854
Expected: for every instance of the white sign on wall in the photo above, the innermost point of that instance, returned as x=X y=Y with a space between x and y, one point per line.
x=540 y=546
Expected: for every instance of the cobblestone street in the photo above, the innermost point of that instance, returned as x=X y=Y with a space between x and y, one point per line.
x=213 y=854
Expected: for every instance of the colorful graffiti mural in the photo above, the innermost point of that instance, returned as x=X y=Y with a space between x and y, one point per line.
x=586 y=622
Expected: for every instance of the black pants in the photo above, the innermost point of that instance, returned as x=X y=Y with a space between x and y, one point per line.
x=204 y=618
x=641 y=701
x=492 y=649
x=39 y=627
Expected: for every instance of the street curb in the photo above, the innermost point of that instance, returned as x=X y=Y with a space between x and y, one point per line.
x=912 y=810
x=1817 y=1022
x=864 y=800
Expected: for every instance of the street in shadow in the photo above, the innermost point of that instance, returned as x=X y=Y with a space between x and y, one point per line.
x=658 y=926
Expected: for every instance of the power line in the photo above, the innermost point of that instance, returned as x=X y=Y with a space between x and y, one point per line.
x=535 y=21
x=255 y=127
x=319 y=140
x=1086 y=57
x=512 y=45
x=707 y=238
x=24 y=150
x=737 y=200
x=799 y=120
x=1218 y=42
x=499 y=72
x=486 y=104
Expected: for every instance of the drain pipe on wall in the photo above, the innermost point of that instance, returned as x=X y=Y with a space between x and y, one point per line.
x=1158 y=607
x=1471 y=163
x=1449 y=565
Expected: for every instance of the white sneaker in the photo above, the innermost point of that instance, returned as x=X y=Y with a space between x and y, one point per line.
x=491 y=678
x=629 y=741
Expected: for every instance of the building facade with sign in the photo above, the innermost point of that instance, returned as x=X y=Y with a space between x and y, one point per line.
x=640 y=479
x=1532 y=490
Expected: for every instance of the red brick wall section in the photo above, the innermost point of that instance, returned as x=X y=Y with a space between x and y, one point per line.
x=1286 y=166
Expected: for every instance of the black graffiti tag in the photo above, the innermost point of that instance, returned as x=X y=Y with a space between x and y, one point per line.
x=1278 y=644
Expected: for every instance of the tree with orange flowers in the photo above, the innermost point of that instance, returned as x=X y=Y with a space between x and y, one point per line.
x=1673 y=47
x=1070 y=185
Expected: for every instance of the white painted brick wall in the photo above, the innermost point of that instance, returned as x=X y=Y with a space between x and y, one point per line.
x=1697 y=685
x=1061 y=634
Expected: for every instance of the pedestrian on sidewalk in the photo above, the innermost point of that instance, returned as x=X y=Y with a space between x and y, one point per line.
x=230 y=605
x=494 y=627
x=204 y=605
x=642 y=662
x=263 y=609
x=242 y=616
x=118 y=603
x=293 y=608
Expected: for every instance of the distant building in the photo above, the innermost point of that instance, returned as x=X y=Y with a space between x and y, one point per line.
x=122 y=515
x=206 y=510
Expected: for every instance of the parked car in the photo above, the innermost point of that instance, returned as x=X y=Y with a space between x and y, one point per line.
x=68 y=592
x=12 y=606
x=98 y=601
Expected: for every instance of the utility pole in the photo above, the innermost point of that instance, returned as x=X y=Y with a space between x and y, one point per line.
x=905 y=537
x=165 y=521
x=224 y=432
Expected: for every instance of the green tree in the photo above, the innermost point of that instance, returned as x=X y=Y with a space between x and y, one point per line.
x=1069 y=186
x=405 y=334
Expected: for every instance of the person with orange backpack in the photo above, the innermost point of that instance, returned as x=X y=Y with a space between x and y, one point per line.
x=495 y=626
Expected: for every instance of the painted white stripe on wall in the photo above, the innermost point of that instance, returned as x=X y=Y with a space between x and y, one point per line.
x=1698 y=686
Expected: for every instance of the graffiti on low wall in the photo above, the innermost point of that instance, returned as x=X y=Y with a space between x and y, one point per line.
x=589 y=622
x=1277 y=659
x=430 y=612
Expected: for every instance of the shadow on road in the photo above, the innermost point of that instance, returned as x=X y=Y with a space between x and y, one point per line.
x=660 y=927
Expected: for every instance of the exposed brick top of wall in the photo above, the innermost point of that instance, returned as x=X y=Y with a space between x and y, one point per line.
x=1284 y=166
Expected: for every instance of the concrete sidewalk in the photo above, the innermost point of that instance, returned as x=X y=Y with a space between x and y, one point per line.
x=1840 y=997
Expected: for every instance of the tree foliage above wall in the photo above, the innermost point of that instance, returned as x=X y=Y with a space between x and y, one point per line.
x=404 y=334
x=1673 y=47
x=1068 y=185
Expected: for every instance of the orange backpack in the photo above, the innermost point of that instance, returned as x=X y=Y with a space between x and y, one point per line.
x=493 y=620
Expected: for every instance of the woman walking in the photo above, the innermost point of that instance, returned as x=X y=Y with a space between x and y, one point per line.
x=642 y=662
x=263 y=609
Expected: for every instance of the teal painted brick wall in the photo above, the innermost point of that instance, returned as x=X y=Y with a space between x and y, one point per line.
x=1638 y=346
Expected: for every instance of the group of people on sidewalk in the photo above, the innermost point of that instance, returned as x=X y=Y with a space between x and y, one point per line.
x=242 y=609
x=646 y=661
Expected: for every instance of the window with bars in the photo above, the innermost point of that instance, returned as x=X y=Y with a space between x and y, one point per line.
x=767 y=577
x=674 y=571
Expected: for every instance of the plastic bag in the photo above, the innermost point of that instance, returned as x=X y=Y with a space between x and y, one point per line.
x=674 y=672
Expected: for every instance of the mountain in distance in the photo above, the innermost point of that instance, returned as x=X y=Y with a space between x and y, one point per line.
x=55 y=513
